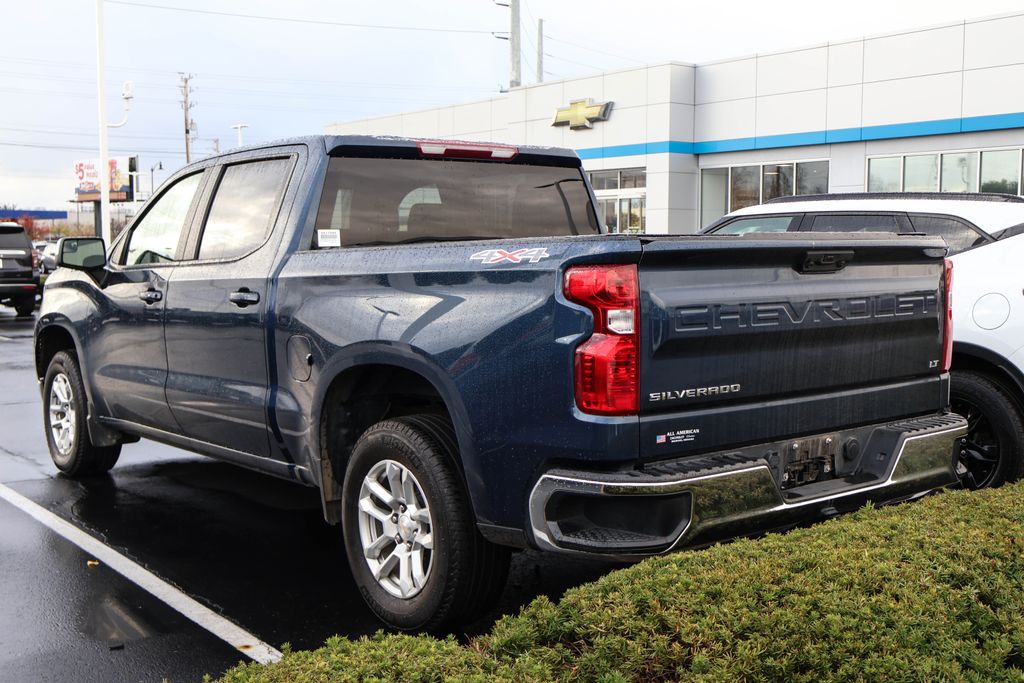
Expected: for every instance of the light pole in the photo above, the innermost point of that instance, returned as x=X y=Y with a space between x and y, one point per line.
x=103 y=172
x=239 y=127
x=159 y=165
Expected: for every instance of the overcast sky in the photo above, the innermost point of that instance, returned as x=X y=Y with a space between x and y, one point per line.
x=292 y=78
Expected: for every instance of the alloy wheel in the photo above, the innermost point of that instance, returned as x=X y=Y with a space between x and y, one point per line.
x=395 y=529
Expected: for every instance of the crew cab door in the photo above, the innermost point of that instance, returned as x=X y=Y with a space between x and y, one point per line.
x=126 y=352
x=216 y=320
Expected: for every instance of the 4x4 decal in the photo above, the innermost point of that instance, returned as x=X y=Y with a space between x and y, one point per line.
x=488 y=256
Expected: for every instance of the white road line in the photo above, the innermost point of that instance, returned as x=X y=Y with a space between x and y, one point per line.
x=239 y=638
x=3 y=338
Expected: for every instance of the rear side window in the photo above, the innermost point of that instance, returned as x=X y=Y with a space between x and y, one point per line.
x=14 y=237
x=390 y=201
x=743 y=226
x=958 y=235
x=154 y=238
x=855 y=223
x=243 y=208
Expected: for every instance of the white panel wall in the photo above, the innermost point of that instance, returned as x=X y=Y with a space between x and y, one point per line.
x=791 y=113
x=725 y=120
x=726 y=81
x=994 y=42
x=846 y=63
x=926 y=98
x=918 y=53
x=792 y=71
x=844 y=107
x=998 y=90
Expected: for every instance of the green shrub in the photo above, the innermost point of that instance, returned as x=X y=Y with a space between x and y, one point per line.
x=931 y=591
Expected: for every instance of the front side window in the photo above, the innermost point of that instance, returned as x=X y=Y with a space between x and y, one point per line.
x=243 y=208
x=745 y=226
x=855 y=223
x=387 y=201
x=154 y=239
x=958 y=235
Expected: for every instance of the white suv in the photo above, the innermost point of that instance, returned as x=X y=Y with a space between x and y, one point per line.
x=985 y=234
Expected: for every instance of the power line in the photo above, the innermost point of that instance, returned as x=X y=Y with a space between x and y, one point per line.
x=250 y=77
x=89 y=134
x=71 y=148
x=592 y=49
x=570 y=61
x=293 y=20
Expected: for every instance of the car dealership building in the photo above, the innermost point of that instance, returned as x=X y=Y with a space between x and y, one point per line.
x=672 y=147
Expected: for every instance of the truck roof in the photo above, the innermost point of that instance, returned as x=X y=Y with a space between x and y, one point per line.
x=332 y=142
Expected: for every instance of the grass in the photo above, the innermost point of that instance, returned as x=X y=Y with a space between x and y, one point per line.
x=930 y=591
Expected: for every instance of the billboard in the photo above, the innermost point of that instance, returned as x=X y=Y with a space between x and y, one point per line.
x=121 y=186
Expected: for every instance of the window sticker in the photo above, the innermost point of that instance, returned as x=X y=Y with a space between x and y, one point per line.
x=328 y=238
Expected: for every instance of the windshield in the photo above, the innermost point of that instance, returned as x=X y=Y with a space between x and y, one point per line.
x=391 y=201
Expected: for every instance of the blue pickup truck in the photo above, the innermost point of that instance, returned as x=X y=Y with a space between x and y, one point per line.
x=441 y=337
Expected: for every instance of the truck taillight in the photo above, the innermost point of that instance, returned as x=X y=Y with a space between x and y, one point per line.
x=947 y=328
x=607 y=364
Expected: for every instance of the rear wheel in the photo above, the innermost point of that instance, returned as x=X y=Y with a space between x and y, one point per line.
x=24 y=307
x=412 y=544
x=64 y=413
x=992 y=451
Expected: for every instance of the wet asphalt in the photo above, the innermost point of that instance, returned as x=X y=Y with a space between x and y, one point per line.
x=252 y=548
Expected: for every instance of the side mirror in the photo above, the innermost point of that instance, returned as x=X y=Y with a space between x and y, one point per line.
x=82 y=253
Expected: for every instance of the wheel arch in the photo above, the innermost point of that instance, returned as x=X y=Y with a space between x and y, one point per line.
x=995 y=366
x=51 y=339
x=375 y=384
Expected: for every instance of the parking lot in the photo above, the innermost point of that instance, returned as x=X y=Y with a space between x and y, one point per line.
x=250 y=548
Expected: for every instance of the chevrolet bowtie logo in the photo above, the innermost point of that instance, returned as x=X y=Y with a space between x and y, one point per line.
x=582 y=113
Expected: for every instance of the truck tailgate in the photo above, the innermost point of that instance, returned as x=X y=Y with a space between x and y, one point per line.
x=753 y=339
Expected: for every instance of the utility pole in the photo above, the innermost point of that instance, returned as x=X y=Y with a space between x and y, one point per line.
x=238 y=127
x=516 y=78
x=186 y=107
x=103 y=172
x=540 y=50
x=216 y=145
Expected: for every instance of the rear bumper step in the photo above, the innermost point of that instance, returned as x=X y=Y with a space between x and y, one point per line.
x=701 y=500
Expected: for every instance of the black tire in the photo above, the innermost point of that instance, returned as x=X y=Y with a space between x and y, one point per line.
x=24 y=307
x=78 y=457
x=467 y=573
x=992 y=452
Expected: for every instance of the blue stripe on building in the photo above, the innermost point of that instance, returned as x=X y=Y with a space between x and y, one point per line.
x=969 y=124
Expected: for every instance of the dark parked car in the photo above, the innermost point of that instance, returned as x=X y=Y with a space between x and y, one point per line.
x=442 y=339
x=19 y=279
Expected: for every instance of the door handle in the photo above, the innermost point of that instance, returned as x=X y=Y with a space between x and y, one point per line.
x=151 y=296
x=244 y=297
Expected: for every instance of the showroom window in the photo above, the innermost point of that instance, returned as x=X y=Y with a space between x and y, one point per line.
x=621 y=198
x=730 y=188
x=995 y=170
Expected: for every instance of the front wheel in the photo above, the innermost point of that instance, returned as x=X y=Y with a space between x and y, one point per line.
x=992 y=452
x=65 y=410
x=412 y=544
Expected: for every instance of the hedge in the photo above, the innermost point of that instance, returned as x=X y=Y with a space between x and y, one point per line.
x=929 y=591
